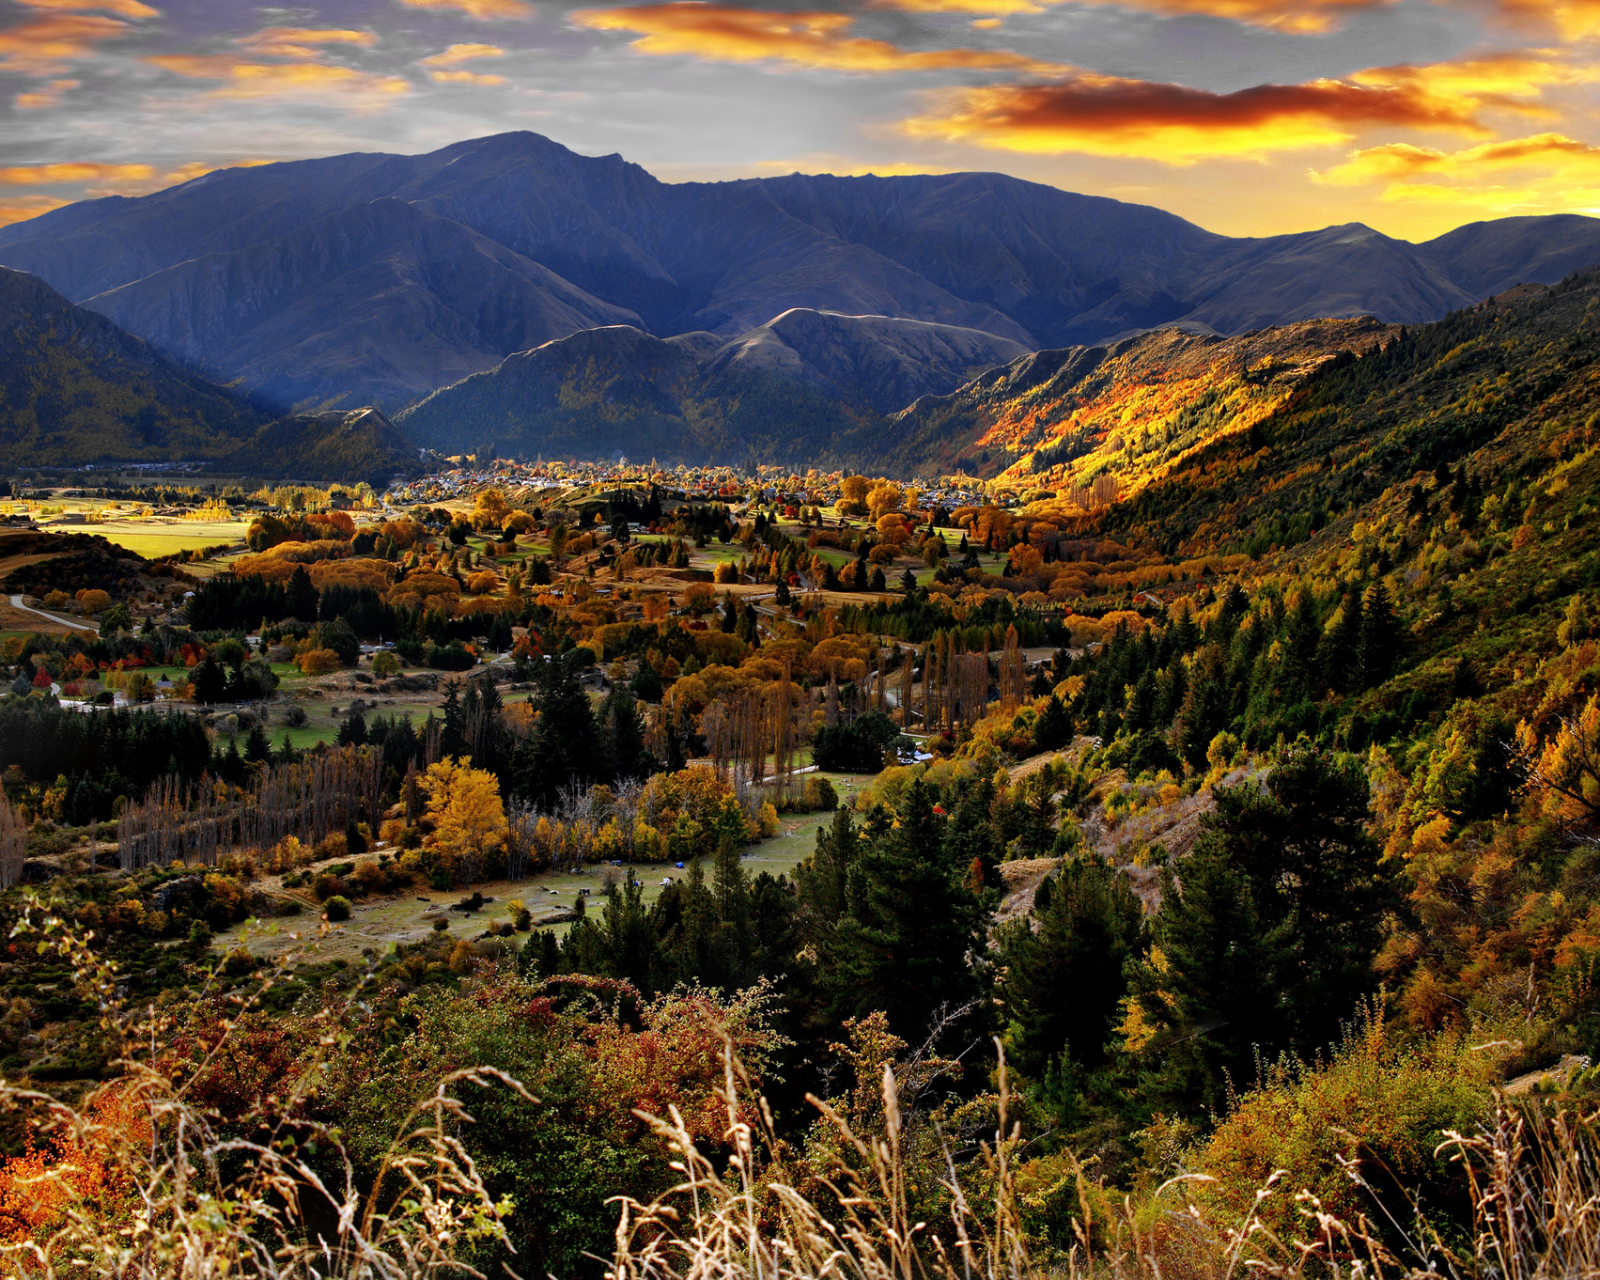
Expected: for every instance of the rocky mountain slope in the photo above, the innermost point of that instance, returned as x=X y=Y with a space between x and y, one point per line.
x=785 y=390
x=1041 y=267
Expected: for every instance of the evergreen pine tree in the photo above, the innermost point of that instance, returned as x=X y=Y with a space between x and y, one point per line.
x=562 y=747
x=257 y=746
x=909 y=925
x=453 y=737
x=1380 y=637
x=301 y=596
x=210 y=683
x=622 y=735
x=1215 y=995
x=1065 y=979
x=353 y=730
x=1341 y=663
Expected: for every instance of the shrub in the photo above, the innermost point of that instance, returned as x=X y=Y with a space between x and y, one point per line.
x=385 y=663
x=1386 y=1107
x=239 y=963
x=336 y=908
x=440 y=925
x=328 y=887
x=370 y=878
x=819 y=794
x=318 y=662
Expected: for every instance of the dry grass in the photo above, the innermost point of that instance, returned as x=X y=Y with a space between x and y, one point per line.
x=140 y=1183
x=1534 y=1182
x=178 y=1196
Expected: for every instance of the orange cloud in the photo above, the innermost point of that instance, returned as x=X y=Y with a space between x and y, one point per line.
x=805 y=38
x=28 y=207
x=1508 y=80
x=122 y=8
x=483 y=10
x=962 y=6
x=270 y=80
x=45 y=46
x=1298 y=17
x=297 y=42
x=459 y=53
x=48 y=96
x=1111 y=116
x=1571 y=19
x=1556 y=174
x=1398 y=160
x=45 y=175
x=464 y=77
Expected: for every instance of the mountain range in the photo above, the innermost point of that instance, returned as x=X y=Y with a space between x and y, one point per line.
x=376 y=279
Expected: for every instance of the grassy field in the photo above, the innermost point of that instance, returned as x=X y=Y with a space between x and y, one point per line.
x=378 y=923
x=151 y=540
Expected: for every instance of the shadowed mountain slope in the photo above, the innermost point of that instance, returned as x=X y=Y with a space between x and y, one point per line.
x=74 y=388
x=379 y=302
x=358 y=444
x=783 y=390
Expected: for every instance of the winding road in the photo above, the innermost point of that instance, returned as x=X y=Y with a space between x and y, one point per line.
x=16 y=603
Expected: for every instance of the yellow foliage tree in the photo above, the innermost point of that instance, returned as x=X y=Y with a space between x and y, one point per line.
x=464 y=808
x=1565 y=771
x=883 y=498
x=490 y=510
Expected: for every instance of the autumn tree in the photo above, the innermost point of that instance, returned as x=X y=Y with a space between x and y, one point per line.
x=467 y=816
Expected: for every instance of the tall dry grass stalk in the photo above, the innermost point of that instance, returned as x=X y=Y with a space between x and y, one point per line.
x=1534 y=1183
x=138 y=1182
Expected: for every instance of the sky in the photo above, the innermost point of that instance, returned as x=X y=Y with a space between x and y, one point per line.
x=1249 y=117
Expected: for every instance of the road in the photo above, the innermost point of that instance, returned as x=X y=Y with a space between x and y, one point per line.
x=16 y=603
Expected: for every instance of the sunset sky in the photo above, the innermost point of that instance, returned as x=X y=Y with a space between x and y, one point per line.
x=1250 y=117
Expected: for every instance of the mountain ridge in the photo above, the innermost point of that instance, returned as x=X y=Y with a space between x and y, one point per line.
x=779 y=390
x=1042 y=267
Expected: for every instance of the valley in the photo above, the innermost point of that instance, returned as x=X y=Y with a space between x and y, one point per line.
x=495 y=633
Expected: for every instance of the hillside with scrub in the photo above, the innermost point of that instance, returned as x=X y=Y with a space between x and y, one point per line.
x=1199 y=871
